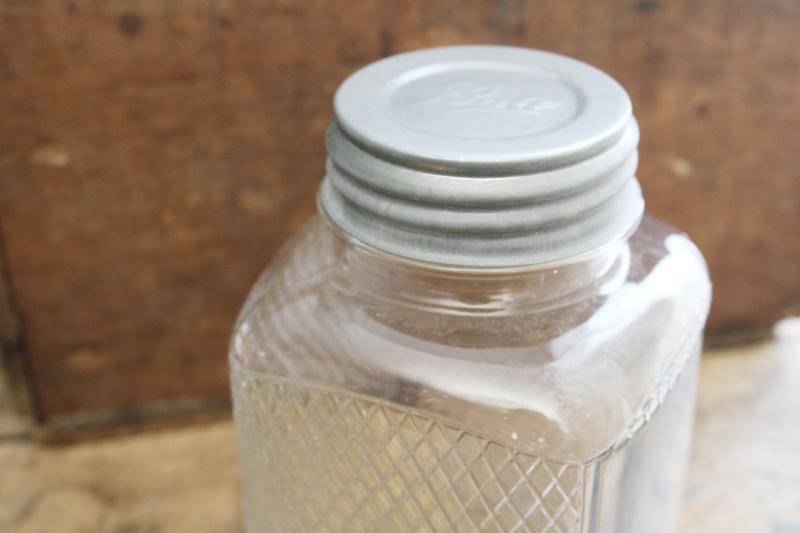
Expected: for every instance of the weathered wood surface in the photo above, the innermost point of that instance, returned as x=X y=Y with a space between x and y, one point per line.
x=154 y=154
x=742 y=477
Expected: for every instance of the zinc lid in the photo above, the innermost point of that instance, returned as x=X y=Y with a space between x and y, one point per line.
x=482 y=156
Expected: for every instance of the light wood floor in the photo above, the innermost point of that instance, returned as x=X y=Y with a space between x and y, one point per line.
x=744 y=474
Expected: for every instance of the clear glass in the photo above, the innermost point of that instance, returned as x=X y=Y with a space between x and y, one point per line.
x=377 y=394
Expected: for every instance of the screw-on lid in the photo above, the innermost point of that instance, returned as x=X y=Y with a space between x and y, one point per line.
x=482 y=156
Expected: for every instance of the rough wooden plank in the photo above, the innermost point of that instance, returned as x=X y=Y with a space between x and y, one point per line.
x=744 y=466
x=16 y=411
x=153 y=156
x=181 y=481
x=97 y=424
x=13 y=425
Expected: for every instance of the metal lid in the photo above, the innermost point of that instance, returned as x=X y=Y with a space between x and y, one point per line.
x=482 y=156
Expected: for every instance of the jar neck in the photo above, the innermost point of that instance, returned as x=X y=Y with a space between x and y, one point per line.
x=491 y=291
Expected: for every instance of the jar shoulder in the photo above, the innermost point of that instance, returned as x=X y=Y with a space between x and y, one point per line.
x=309 y=289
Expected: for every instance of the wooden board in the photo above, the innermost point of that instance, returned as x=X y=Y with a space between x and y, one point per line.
x=153 y=155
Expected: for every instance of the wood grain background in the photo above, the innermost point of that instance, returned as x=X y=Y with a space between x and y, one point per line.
x=153 y=155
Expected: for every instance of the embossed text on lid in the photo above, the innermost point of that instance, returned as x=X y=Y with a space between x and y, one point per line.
x=482 y=106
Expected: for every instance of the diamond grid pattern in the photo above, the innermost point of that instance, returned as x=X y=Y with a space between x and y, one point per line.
x=317 y=460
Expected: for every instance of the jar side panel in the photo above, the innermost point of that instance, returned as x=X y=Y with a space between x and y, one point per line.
x=640 y=486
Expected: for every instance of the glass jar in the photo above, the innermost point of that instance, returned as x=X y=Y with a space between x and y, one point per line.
x=479 y=332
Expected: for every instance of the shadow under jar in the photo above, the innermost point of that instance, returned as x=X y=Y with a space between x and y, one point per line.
x=479 y=331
